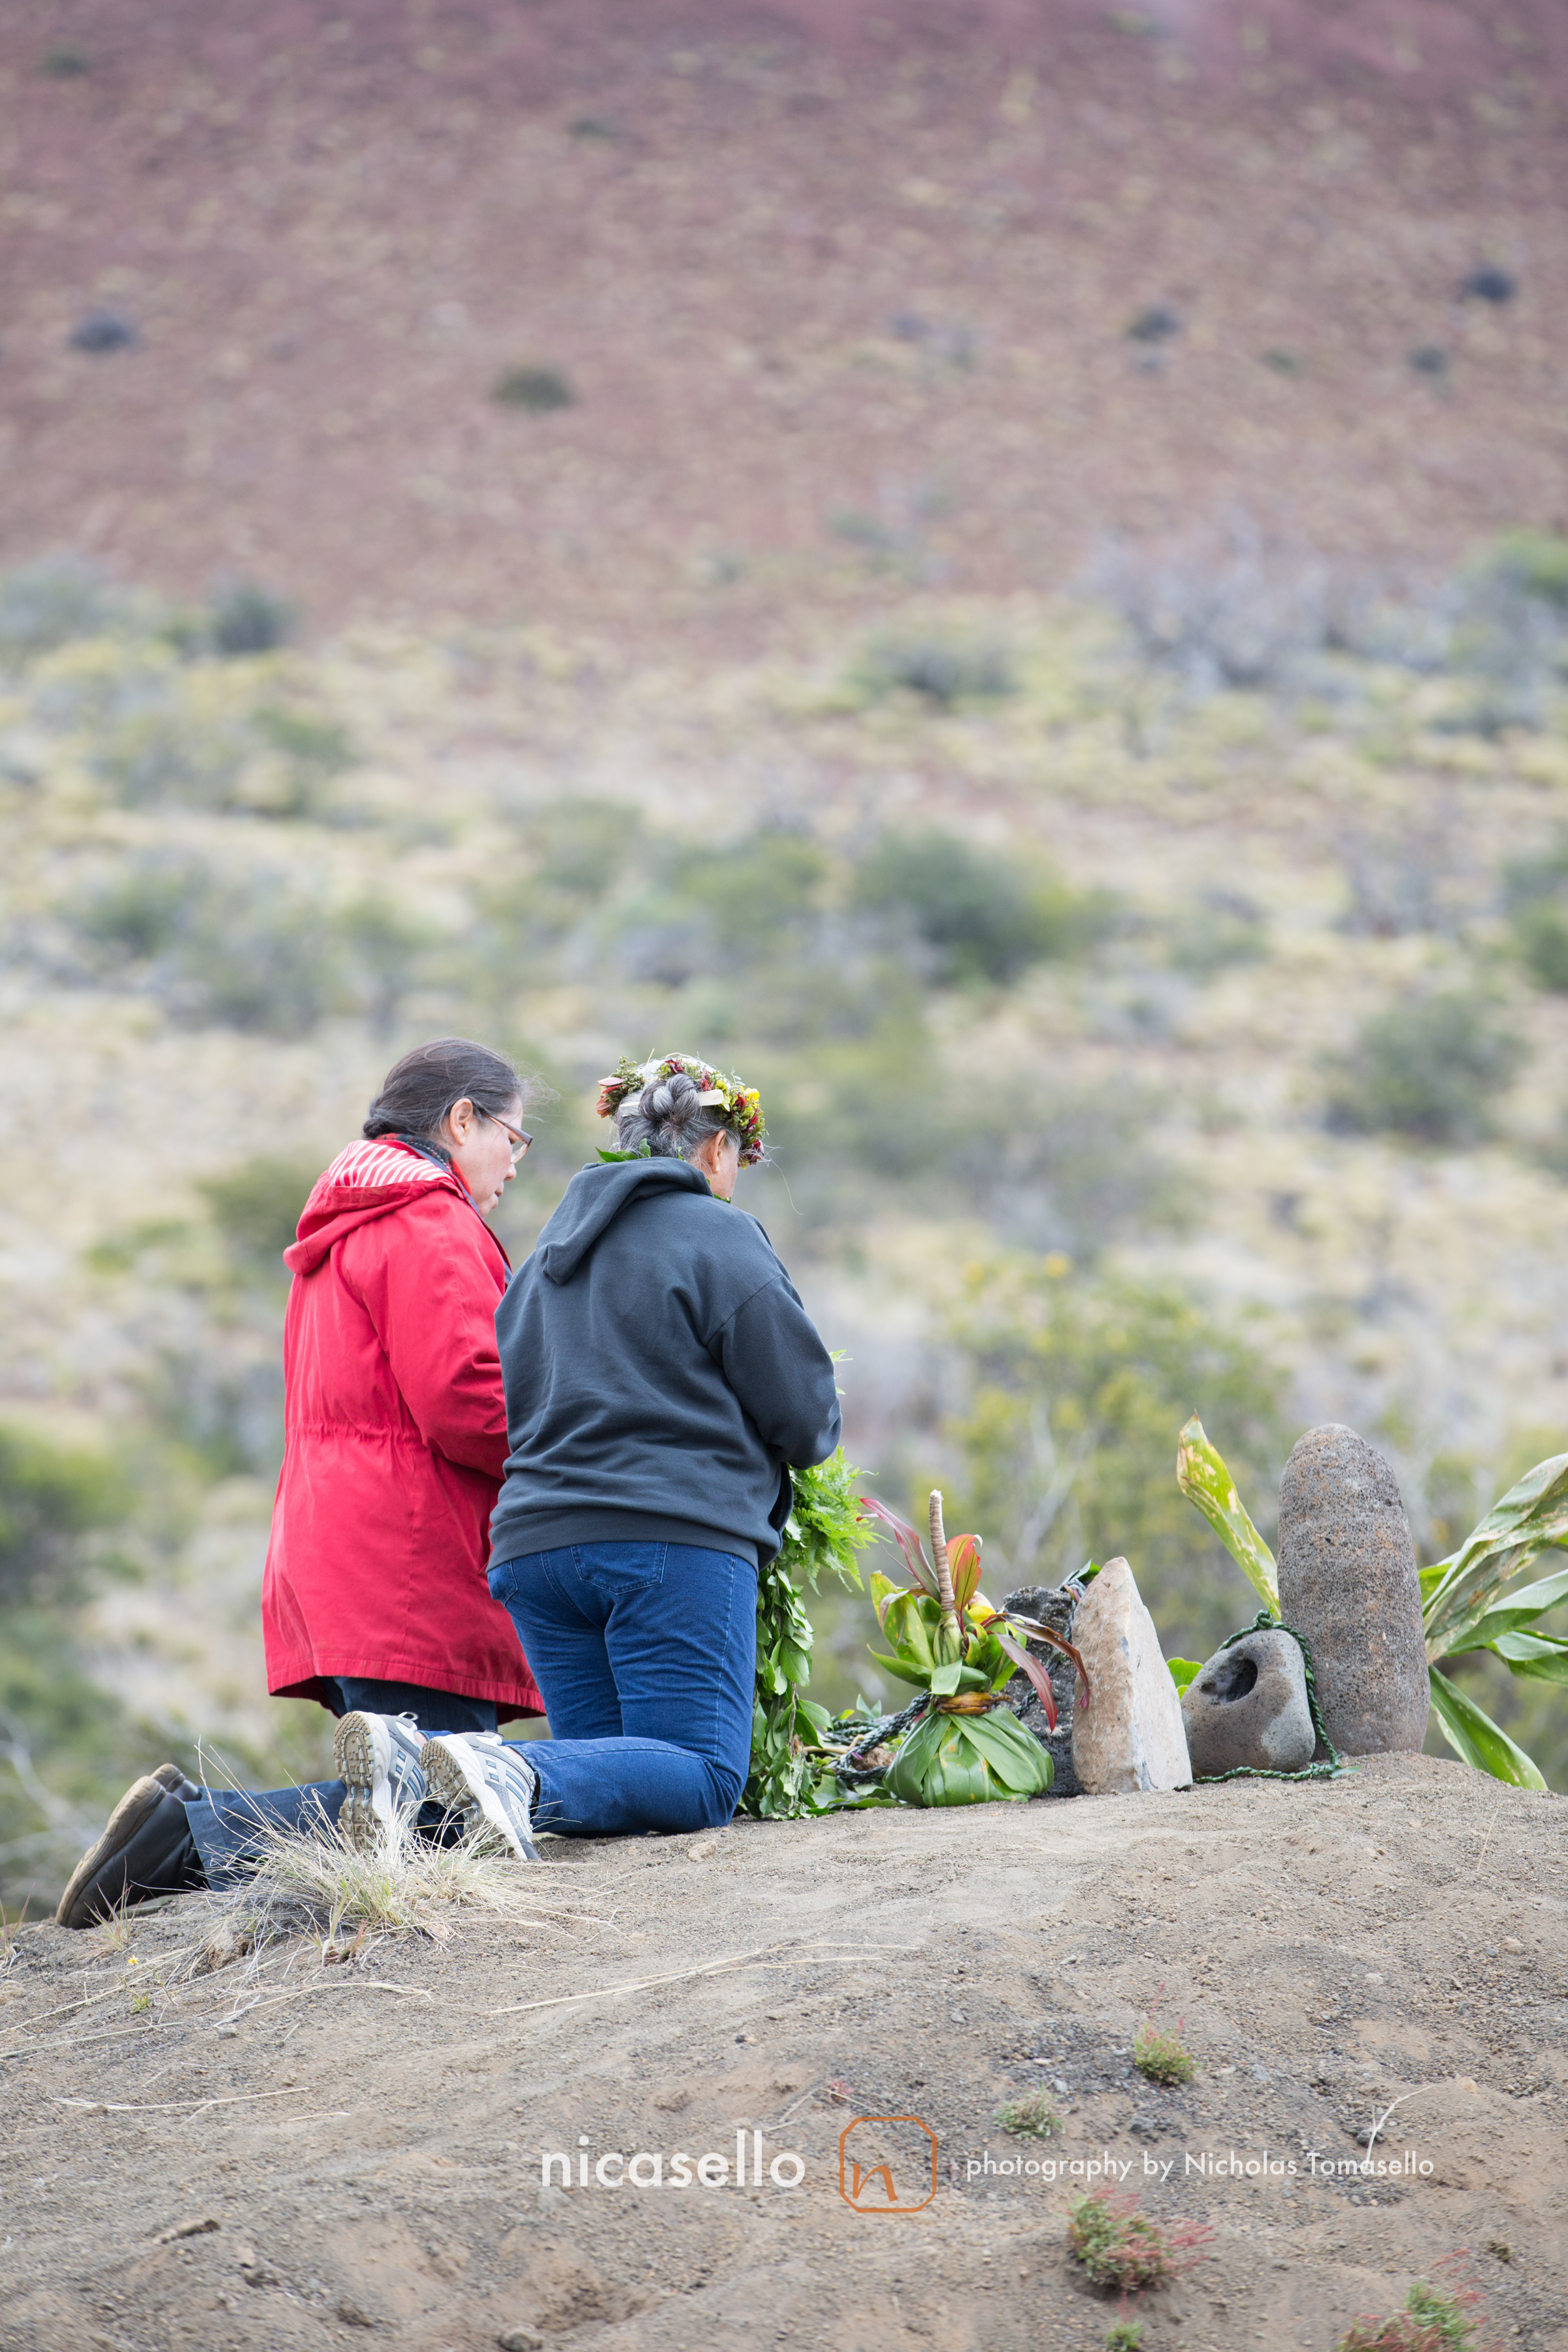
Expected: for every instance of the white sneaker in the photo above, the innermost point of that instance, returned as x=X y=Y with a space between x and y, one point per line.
x=479 y=1775
x=378 y=1759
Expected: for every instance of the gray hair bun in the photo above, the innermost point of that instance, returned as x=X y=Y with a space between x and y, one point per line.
x=672 y=1119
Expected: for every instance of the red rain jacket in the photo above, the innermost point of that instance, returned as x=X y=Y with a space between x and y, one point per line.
x=394 y=1439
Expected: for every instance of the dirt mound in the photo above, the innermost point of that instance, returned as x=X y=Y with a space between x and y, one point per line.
x=267 y=2152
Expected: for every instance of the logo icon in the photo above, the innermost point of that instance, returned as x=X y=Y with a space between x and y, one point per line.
x=887 y=2164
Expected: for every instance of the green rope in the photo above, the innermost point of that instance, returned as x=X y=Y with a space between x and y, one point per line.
x=1266 y=1622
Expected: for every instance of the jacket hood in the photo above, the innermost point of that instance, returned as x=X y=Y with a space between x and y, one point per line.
x=367 y=1180
x=594 y=1198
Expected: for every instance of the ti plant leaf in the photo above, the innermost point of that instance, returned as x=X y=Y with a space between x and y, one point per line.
x=1477 y=1739
x=961 y=1744
x=908 y=1541
x=1531 y=1515
x=1520 y=1610
x=1535 y=1657
x=1509 y=1629
x=1203 y=1479
x=1185 y=1670
x=969 y=1760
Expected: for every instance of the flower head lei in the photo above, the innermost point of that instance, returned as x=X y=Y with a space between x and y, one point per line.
x=742 y=1104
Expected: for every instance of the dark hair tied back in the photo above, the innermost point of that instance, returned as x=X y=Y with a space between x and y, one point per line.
x=417 y=1092
x=672 y=1119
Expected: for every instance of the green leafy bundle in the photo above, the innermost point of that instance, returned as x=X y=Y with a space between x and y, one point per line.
x=823 y=1534
x=967 y=1747
x=1463 y=1606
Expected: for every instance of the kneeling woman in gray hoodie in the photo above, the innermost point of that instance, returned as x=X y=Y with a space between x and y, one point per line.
x=661 y=1379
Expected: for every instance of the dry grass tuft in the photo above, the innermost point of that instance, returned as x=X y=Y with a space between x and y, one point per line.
x=323 y=1887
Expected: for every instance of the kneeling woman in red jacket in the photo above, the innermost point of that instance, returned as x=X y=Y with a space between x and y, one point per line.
x=374 y=1599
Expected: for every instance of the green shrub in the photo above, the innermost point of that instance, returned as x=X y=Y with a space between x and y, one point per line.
x=751 y=893
x=1067 y=1169
x=729 y=910
x=582 y=846
x=52 y=603
x=1162 y=2057
x=256 y=1207
x=1536 y=562
x=1541 y=935
x=1434 y=2320
x=156 y=751
x=250 y=954
x=1535 y=897
x=221 y=1405
x=943 y=671
x=537 y=390
x=1119 y=2249
x=1427 y=1067
x=385 y=953
x=247 y=619
x=134 y=916
x=255 y=956
x=577 y=852
x=983 y=914
x=320 y=748
x=1073 y=1387
x=1220 y=929
x=50 y=1497
x=1033 y=2116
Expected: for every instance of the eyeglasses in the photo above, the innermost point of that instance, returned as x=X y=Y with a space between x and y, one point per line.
x=520 y=1141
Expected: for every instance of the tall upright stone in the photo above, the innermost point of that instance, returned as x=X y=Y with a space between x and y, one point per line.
x=1130 y=1736
x=1348 y=1583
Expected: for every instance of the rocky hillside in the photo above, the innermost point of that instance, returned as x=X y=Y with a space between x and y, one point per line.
x=691 y=319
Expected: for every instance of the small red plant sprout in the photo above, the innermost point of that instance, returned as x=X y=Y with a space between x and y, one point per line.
x=1162 y=2057
x=1124 y=2253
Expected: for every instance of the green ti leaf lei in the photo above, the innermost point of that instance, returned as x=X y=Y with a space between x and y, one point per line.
x=790 y=1775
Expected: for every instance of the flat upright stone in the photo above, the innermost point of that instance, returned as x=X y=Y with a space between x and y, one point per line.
x=1130 y=1736
x=1050 y=1605
x=1348 y=1584
x=1248 y=1707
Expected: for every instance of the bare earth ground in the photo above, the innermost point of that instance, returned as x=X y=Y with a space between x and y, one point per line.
x=365 y=2142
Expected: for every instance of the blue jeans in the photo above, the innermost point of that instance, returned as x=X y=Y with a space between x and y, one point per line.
x=224 y=1822
x=646 y=1656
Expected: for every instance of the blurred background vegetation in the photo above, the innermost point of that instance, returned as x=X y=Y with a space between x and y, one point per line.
x=1148 y=1018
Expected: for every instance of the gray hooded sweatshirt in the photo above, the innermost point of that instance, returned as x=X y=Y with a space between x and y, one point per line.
x=661 y=1373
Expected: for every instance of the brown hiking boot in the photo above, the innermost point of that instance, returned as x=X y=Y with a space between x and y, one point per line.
x=146 y=1849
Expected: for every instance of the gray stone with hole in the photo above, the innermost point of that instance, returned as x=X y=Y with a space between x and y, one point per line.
x=1248 y=1707
x=1348 y=1584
